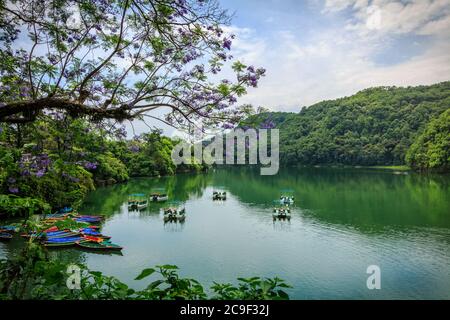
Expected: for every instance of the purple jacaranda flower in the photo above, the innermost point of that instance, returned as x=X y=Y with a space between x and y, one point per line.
x=90 y=165
x=222 y=56
x=227 y=126
x=227 y=43
x=13 y=189
x=11 y=180
x=232 y=99
x=267 y=124
x=40 y=173
x=135 y=149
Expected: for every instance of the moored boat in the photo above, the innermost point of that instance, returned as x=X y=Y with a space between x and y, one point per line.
x=8 y=229
x=63 y=242
x=89 y=219
x=218 y=195
x=5 y=236
x=104 y=245
x=159 y=197
x=142 y=204
x=281 y=213
x=287 y=199
x=53 y=234
x=93 y=233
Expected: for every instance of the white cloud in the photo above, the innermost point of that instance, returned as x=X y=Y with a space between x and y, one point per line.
x=437 y=27
x=337 y=63
x=393 y=16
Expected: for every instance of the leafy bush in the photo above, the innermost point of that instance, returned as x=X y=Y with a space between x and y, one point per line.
x=14 y=206
x=431 y=150
x=32 y=275
x=109 y=167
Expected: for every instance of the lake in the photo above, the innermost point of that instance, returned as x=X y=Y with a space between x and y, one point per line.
x=343 y=221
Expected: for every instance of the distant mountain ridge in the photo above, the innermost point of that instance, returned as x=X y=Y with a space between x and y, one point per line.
x=375 y=126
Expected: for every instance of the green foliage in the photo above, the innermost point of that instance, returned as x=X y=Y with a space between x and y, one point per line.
x=431 y=150
x=373 y=127
x=110 y=167
x=32 y=275
x=252 y=289
x=153 y=155
x=13 y=206
x=58 y=160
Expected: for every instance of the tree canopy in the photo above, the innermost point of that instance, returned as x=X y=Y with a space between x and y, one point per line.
x=119 y=59
x=431 y=150
x=376 y=126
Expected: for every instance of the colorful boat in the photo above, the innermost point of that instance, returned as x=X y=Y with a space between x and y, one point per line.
x=88 y=219
x=93 y=233
x=5 y=236
x=104 y=245
x=91 y=217
x=56 y=216
x=65 y=210
x=9 y=228
x=61 y=234
x=63 y=242
x=52 y=234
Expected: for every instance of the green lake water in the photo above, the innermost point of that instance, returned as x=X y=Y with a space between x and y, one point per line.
x=343 y=221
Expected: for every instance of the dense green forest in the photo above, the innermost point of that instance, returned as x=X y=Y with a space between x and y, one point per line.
x=55 y=161
x=376 y=126
x=431 y=150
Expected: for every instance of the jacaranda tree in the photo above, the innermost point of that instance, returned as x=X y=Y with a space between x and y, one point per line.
x=120 y=60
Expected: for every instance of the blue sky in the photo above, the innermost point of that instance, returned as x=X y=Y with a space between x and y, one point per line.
x=316 y=50
x=325 y=49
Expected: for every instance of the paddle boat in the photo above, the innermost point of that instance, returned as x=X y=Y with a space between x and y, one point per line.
x=159 y=197
x=218 y=195
x=135 y=199
x=140 y=205
x=282 y=213
x=174 y=214
x=5 y=236
x=287 y=199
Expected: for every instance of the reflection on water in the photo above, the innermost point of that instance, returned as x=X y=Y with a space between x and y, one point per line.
x=342 y=222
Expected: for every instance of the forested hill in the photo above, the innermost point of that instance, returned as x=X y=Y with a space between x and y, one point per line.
x=376 y=126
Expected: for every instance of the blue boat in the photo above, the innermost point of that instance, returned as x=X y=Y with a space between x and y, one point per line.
x=8 y=228
x=5 y=236
x=65 y=210
x=60 y=240
x=63 y=242
x=89 y=220
x=93 y=233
